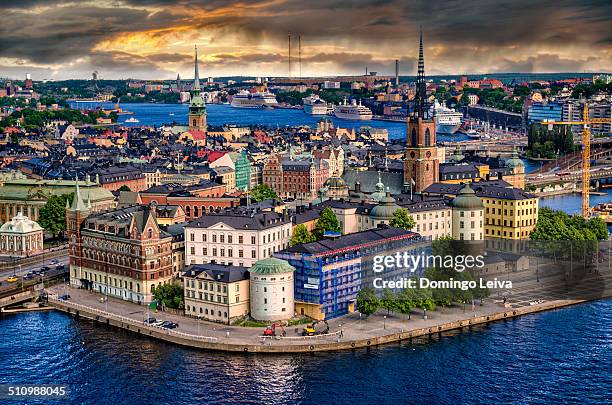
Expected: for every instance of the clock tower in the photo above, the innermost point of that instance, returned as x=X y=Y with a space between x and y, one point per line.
x=421 y=167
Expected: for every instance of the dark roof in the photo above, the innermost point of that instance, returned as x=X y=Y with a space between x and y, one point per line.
x=352 y=240
x=482 y=190
x=218 y=272
x=241 y=218
x=421 y=203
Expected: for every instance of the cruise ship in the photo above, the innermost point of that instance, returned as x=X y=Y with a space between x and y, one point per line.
x=353 y=111
x=313 y=105
x=448 y=120
x=246 y=99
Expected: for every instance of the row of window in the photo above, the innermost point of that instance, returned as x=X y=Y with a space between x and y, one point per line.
x=524 y=222
x=529 y=211
x=205 y=311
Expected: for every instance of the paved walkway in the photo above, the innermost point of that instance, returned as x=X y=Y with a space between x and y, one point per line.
x=352 y=327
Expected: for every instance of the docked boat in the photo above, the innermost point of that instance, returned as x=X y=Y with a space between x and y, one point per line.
x=246 y=99
x=132 y=120
x=448 y=120
x=313 y=105
x=353 y=111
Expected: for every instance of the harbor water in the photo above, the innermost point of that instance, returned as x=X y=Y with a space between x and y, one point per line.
x=562 y=356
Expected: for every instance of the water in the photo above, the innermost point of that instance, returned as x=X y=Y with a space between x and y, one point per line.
x=219 y=114
x=552 y=357
x=572 y=203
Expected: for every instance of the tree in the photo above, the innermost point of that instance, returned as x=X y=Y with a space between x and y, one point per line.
x=52 y=215
x=124 y=188
x=263 y=192
x=388 y=301
x=402 y=219
x=301 y=235
x=170 y=295
x=406 y=301
x=327 y=222
x=367 y=301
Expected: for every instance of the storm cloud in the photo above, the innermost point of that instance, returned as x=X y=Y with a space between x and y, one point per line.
x=155 y=38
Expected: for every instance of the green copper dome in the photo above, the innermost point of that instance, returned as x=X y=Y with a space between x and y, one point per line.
x=385 y=208
x=271 y=265
x=467 y=199
x=514 y=161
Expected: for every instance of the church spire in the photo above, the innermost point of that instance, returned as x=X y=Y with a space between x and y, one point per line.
x=421 y=90
x=77 y=201
x=196 y=80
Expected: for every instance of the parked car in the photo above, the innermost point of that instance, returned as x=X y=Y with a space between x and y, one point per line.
x=53 y=261
x=12 y=279
x=169 y=325
x=150 y=320
x=45 y=268
x=60 y=267
x=64 y=297
x=158 y=323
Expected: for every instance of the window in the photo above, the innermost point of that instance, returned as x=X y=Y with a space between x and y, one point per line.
x=427 y=137
x=222 y=238
x=205 y=251
x=240 y=239
x=192 y=236
x=253 y=241
x=229 y=238
x=214 y=238
x=253 y=254
x=240 y=253
x=192 y=250
x=203 y=237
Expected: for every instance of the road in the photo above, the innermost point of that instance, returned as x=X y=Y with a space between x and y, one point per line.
x=22 y=271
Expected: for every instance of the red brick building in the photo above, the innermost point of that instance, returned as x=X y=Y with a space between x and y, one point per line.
x=121 y=253
x=299 y=179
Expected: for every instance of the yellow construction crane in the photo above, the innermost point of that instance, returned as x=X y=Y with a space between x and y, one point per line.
x=586 y=152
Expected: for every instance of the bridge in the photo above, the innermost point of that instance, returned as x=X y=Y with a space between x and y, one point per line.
x=573 y=160
x=600 y=176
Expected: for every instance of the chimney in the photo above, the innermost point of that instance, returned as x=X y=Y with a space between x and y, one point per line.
x=499 y=175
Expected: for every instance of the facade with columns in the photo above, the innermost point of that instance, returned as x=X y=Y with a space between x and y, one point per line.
x=28 y=196
x=21 y=237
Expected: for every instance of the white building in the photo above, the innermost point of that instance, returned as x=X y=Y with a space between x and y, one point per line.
x=238 y=237
x=21 y=237
x=272 y=292
x=468 y=215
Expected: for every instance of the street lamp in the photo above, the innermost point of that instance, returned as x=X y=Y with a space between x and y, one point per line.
x=385 y=322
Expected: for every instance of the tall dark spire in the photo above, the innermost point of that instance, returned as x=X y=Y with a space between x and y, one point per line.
x=421 y=89
x=196 y=81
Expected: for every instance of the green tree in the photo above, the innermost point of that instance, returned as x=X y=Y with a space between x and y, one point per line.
x=367 y=301
x=388 y=301
x=170 y=295
x=124 y=188
x=327 y=222
x=402 y=219
x=406 y=301
x=301 y=235
x=263 y=192
x=52 y=215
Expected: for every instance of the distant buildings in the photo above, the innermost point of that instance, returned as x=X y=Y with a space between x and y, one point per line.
x=299 y=179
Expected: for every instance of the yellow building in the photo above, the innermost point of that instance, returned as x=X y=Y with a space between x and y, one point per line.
x=216 y=292
x=509 y=212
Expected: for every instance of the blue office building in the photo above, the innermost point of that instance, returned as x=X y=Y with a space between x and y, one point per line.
x=539 y=112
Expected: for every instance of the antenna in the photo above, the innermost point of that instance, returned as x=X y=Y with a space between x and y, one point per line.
x=300 y=55
x=289 y=55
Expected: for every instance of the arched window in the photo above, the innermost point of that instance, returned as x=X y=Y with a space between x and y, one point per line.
x=414 y=137
x=194 y=122
x=150 y=233
x=195 y=211
x=188 y=211
x=427 y=137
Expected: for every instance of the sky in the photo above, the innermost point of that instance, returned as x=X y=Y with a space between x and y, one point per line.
x=154 y=39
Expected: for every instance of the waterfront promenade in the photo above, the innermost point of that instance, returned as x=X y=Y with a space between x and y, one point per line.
x=349 y=332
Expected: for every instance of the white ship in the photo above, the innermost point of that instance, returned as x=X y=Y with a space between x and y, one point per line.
x=448 y=120
x=353 y=111
x=132 y=119
x=246 y=99
x=313 y=105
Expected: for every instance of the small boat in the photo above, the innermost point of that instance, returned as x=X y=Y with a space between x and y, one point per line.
x=603 y=211
x=171 y=114
x=132 y=119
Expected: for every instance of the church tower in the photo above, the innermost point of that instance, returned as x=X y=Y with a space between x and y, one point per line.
x=197 y=109
x=421 y=167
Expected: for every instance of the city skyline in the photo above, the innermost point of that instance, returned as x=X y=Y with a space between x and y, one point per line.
x=153 y=39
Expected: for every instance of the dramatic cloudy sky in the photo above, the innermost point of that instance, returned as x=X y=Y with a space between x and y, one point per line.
x=155 y=38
